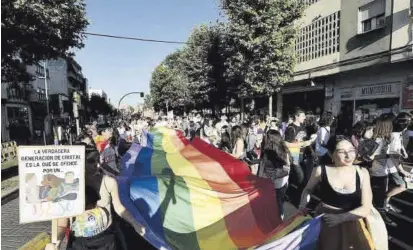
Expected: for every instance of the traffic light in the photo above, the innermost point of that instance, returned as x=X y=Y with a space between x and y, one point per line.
x=142 y=94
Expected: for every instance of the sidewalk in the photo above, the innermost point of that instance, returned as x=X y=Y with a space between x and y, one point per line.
x=14 y=235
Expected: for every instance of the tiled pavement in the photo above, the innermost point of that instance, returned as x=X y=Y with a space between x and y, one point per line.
x=14 y=235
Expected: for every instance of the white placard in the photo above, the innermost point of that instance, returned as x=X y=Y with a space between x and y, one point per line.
x=51 y=182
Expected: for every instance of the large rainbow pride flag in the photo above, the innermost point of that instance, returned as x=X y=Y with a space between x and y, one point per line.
x=190 y=195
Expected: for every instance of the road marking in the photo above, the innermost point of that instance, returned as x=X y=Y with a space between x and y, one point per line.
x=39 y=242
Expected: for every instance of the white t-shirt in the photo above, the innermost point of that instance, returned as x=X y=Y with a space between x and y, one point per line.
x=323 y=134
x=396 y=148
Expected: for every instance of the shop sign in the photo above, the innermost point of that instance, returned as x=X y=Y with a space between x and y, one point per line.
x=346 y=94
x=375 y=90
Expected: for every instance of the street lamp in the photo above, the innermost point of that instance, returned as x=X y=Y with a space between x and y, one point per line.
x=130 y=93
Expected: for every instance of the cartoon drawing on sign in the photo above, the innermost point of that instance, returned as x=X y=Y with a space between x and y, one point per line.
x=33 y=193
x=54 y=196
x=52 y=182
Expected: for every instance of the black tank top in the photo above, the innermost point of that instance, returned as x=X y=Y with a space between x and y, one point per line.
x=333 y=198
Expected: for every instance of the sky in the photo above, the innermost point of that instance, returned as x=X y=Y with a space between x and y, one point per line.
x=122 y=66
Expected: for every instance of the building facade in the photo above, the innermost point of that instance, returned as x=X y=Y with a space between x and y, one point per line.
x=23 y=106
x=354 y=59
x=68 y=81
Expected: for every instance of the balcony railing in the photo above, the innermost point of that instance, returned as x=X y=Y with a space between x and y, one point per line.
x=19 y=93
x=38 y=97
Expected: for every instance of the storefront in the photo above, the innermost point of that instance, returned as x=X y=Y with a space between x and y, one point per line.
x=366 y=103
x=310 y=99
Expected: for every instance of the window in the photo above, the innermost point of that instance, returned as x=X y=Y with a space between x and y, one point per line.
x=371 y=16
x=318 y=39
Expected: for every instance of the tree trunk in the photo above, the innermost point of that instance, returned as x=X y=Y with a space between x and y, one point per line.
x=270 y=106
x=242 y=109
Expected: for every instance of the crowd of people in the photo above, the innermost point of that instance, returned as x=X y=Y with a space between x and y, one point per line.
x=350 y=174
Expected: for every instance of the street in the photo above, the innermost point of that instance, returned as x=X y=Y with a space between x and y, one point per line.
x=14 y=235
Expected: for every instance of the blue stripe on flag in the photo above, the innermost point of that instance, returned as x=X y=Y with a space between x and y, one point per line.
x=303 y=238
x=129 y=196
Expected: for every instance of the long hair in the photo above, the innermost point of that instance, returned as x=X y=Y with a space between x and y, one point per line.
x=274 y=147
x=236 y=133
x=383 y=128
x=225 y=143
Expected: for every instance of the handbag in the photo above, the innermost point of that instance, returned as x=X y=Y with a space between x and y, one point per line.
x=376 y=226
x=377 y=229
x=366 y=149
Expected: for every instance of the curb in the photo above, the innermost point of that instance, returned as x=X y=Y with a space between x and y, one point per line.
x=10 y=195
x=38 y=242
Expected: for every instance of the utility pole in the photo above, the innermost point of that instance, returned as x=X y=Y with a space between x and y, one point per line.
x=46 y=87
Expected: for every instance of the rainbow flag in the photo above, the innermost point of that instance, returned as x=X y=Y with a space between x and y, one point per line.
x=194 y=196
x=100 y=143
x=298 y=233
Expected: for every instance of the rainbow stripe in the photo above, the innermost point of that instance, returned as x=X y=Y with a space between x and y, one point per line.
x=100 y=143
x=193 y=196
x=294 y=149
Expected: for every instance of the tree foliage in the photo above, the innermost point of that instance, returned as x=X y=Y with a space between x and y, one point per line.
x=169 y=86
x=36 y=30
x=260 y=54
x=250 y=54
x=147 y=101
x=99 y=106
x=203 y=63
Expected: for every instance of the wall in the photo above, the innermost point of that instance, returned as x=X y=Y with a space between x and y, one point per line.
x=319 y=9
x=38 y=82
x=402 y=29
x=58 y=77
x=353 y=44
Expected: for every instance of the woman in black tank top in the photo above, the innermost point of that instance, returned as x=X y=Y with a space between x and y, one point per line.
x=346 y=198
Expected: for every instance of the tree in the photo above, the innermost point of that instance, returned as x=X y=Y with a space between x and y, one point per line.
x=169 y=86
x=260 y=54
x=203 y=63
x=147 y=101
x=37 y=30
x=99 y=106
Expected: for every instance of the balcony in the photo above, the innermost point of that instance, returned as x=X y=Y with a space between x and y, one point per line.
x=76 y=79
x=38 y=97
x=19 y=92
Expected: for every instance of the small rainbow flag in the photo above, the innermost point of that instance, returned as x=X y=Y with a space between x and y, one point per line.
x=194 y=196
x=100 y=143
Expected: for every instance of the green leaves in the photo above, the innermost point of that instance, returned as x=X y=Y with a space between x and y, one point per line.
x=38 y=29
x=168 y=84
x=261 y=35
x=98 y=105
x=250 y=54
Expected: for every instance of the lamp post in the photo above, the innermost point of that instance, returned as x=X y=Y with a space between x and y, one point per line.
x=130 y=93
x=46 y=87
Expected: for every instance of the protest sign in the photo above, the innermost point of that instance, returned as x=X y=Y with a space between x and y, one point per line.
x=52 y=182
